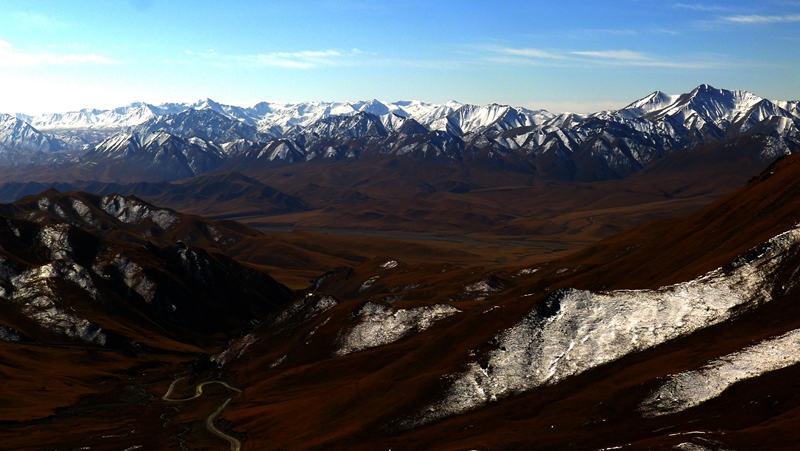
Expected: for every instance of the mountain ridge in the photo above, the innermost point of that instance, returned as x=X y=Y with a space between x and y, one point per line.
x=604 y=145
x=304 y=113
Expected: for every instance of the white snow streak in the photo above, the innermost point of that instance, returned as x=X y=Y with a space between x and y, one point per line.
x=574 y=331
x=691 y=388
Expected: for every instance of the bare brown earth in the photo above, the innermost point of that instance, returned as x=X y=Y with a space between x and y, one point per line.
x=400 y=195
x=484 y=228
x=298 y=397
x=514 y=220
x=519 y=207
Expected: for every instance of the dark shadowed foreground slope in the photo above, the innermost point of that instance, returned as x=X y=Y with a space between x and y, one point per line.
x=96 y=290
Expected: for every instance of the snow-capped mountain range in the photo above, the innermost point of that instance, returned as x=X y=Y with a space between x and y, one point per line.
x=266 y=116
x=17 y=135
x=602 y=145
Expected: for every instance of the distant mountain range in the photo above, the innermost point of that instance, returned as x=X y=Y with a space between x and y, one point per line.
x=176 y=141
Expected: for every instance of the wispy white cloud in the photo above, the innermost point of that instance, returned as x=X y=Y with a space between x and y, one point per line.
x=700 y=7
x=638 y=59
x=610 y=31
x=622 y=57
x=436 y=64
x=528 y=52
x=305 y=59
x=706 y=64
x=11 y=57
x=613 y=54
x=759 y=19
x=511 y=56
x=311 y=59
x=512 y=61
x=307 y=54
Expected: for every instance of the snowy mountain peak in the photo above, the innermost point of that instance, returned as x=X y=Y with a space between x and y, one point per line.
x=18 y=135
x=475 y=119
x=358 y=125
x=207 y=104
x=706 y=89
x=737 y=100
x=207 y=124
x=655 y=101
x=628 y=139
x=379 y=108
x=708 y=105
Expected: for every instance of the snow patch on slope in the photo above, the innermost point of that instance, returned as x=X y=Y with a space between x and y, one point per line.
x=573 y=331
x=235 y=350
x=9 y=334
x=691 y=388
x=33 y=288
x=304 y=310
x=55 y=238
x=129 y=211
x=134 y=277
x=380 y=324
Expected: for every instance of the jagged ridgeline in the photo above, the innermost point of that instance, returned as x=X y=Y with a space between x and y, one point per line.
x=175 y=141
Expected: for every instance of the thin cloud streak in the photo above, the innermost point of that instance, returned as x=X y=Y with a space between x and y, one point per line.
x=759 y=19
x=523 y=61
x=699 y=7
x=313 y=59
x=613 y=54
x=678 y=64
x=305 y=59
x=444 y=64
x=10 y=57
x=593 y=58
x=637 y=59
x=626 y=32
x=533 y=53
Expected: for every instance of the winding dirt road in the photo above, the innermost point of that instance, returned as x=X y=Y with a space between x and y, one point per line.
x=236 y=445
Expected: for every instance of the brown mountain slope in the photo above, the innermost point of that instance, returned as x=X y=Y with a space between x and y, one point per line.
x=295 y=258
x=333 y=373
x=372 y=195
x=97 y=290
x=371 y=357
x=406 y=196
x=670 y=250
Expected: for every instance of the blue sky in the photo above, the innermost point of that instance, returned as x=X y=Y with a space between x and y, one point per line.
x=566 y=55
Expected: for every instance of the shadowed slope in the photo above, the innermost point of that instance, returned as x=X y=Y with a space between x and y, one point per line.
x=95 y=290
